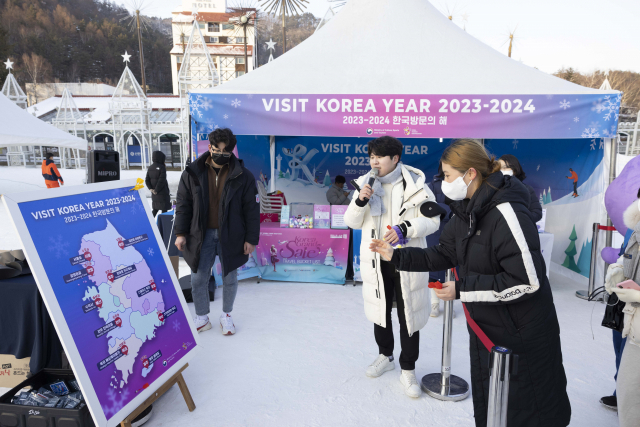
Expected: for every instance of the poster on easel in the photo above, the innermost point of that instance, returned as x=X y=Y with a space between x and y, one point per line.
x=112 y=294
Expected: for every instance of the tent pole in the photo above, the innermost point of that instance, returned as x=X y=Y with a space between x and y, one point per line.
x=272 y=155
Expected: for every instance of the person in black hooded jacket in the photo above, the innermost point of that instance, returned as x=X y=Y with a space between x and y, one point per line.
x=494 y=241
x=509 y=165
x=156 y=181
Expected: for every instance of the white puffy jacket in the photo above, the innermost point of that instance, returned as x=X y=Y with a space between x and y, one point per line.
x=406 y=207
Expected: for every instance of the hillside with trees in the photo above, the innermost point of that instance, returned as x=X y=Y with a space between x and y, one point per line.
x=80 y=41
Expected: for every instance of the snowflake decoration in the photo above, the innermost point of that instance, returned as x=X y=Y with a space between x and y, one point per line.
x=117 y=401
x=225 y=117
x=176 y=325
x=206 y=104
x=564 y=104
x=610 y=106
x=515 y=144
x=136 y=208
x=58 y=245
x=150 y=251
x=610 y=133
x=197 y=105
x=549 y=96
x=576 y=119
x=216 y=127
x=590 y=133
x=235 y=103
x=593 y=144
x=250 y=96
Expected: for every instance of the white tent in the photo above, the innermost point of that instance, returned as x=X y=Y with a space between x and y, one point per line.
x=396 y=47
x=19 y=128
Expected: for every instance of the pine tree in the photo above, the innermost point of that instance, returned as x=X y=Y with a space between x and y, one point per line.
x=584 y=260
x=543 y=197
x=287 y=175
x=569 y=262
x=549 y=196
x=327 y=179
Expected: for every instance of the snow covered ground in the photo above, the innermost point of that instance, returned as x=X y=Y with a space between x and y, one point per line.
x=300 y=352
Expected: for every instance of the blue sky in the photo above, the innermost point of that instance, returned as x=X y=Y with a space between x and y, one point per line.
x=550 y=34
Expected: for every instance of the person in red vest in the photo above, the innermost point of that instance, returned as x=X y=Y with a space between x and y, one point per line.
x=574 y=177
x=50 y=172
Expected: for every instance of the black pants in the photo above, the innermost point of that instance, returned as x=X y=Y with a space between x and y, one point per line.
x=384 y=336
x=155 y=211
x=575 y=187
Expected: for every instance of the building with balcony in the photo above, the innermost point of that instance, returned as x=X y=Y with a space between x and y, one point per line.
x=225 y=43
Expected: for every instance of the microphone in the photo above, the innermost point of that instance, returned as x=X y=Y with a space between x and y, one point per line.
x=372 y=179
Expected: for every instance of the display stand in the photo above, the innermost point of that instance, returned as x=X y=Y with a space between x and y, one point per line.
x=176 y=378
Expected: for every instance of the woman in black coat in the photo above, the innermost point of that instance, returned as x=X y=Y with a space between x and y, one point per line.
x=157 y=182
x=509 y=165
x=502 y=281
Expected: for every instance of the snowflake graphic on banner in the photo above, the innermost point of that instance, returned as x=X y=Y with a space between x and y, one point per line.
x=58 y=245
x=235 y=103
x=610 y=106
x=564 y=104
x=225 y=116
x=576 y=119
x=610 y=133
x=515 y=144
x=176 y=325
x=197 y=105
x=117 y=400
x=250 y=96
x=593 y=144
x=590 y=133
x=150 y=251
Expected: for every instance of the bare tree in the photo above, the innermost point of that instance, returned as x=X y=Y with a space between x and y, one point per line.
x=38 y=69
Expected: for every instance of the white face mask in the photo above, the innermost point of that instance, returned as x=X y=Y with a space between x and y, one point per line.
x=507 y=172
x=456 y=190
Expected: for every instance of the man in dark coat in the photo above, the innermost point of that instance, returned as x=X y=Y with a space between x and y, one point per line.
x=217 y=213
x=157 y=182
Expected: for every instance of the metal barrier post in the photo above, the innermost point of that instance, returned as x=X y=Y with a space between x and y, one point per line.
x=592 y=271
x=444 y=386
x=501 y=366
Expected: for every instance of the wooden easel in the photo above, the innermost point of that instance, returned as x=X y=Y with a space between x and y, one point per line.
x=176 y=378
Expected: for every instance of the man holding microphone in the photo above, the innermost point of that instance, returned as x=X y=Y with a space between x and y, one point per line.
x=393 y=202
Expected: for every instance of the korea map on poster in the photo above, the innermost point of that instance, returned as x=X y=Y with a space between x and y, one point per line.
x=115 y=292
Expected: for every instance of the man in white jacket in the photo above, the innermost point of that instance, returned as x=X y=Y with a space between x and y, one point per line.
x=399 y=199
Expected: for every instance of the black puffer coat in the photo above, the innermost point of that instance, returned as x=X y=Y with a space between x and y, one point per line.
x=503 y=282
x=238 y=214
x=157 y=180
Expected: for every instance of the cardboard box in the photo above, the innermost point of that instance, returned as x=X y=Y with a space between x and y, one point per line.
x=13 y=371
x=337 y=216
x=175 y=261
x=322 y=216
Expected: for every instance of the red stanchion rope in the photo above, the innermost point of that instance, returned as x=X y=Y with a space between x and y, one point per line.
x=606 y=228
x=474 y=326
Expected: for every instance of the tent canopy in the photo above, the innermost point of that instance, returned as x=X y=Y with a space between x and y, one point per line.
x=19 y=128
x=396 y=47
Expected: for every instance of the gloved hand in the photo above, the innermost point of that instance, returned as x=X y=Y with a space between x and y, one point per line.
x=627 y=295
x=615 y=275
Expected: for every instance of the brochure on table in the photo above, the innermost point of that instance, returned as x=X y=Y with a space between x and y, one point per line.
x=108 y=284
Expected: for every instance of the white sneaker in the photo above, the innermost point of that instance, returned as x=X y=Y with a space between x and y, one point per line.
x=202 y=323
x=410 y=383
x=379 y=366
x=226 y=324
x=435 y=310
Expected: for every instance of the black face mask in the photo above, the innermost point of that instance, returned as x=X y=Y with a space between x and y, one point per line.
x=220 y=159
